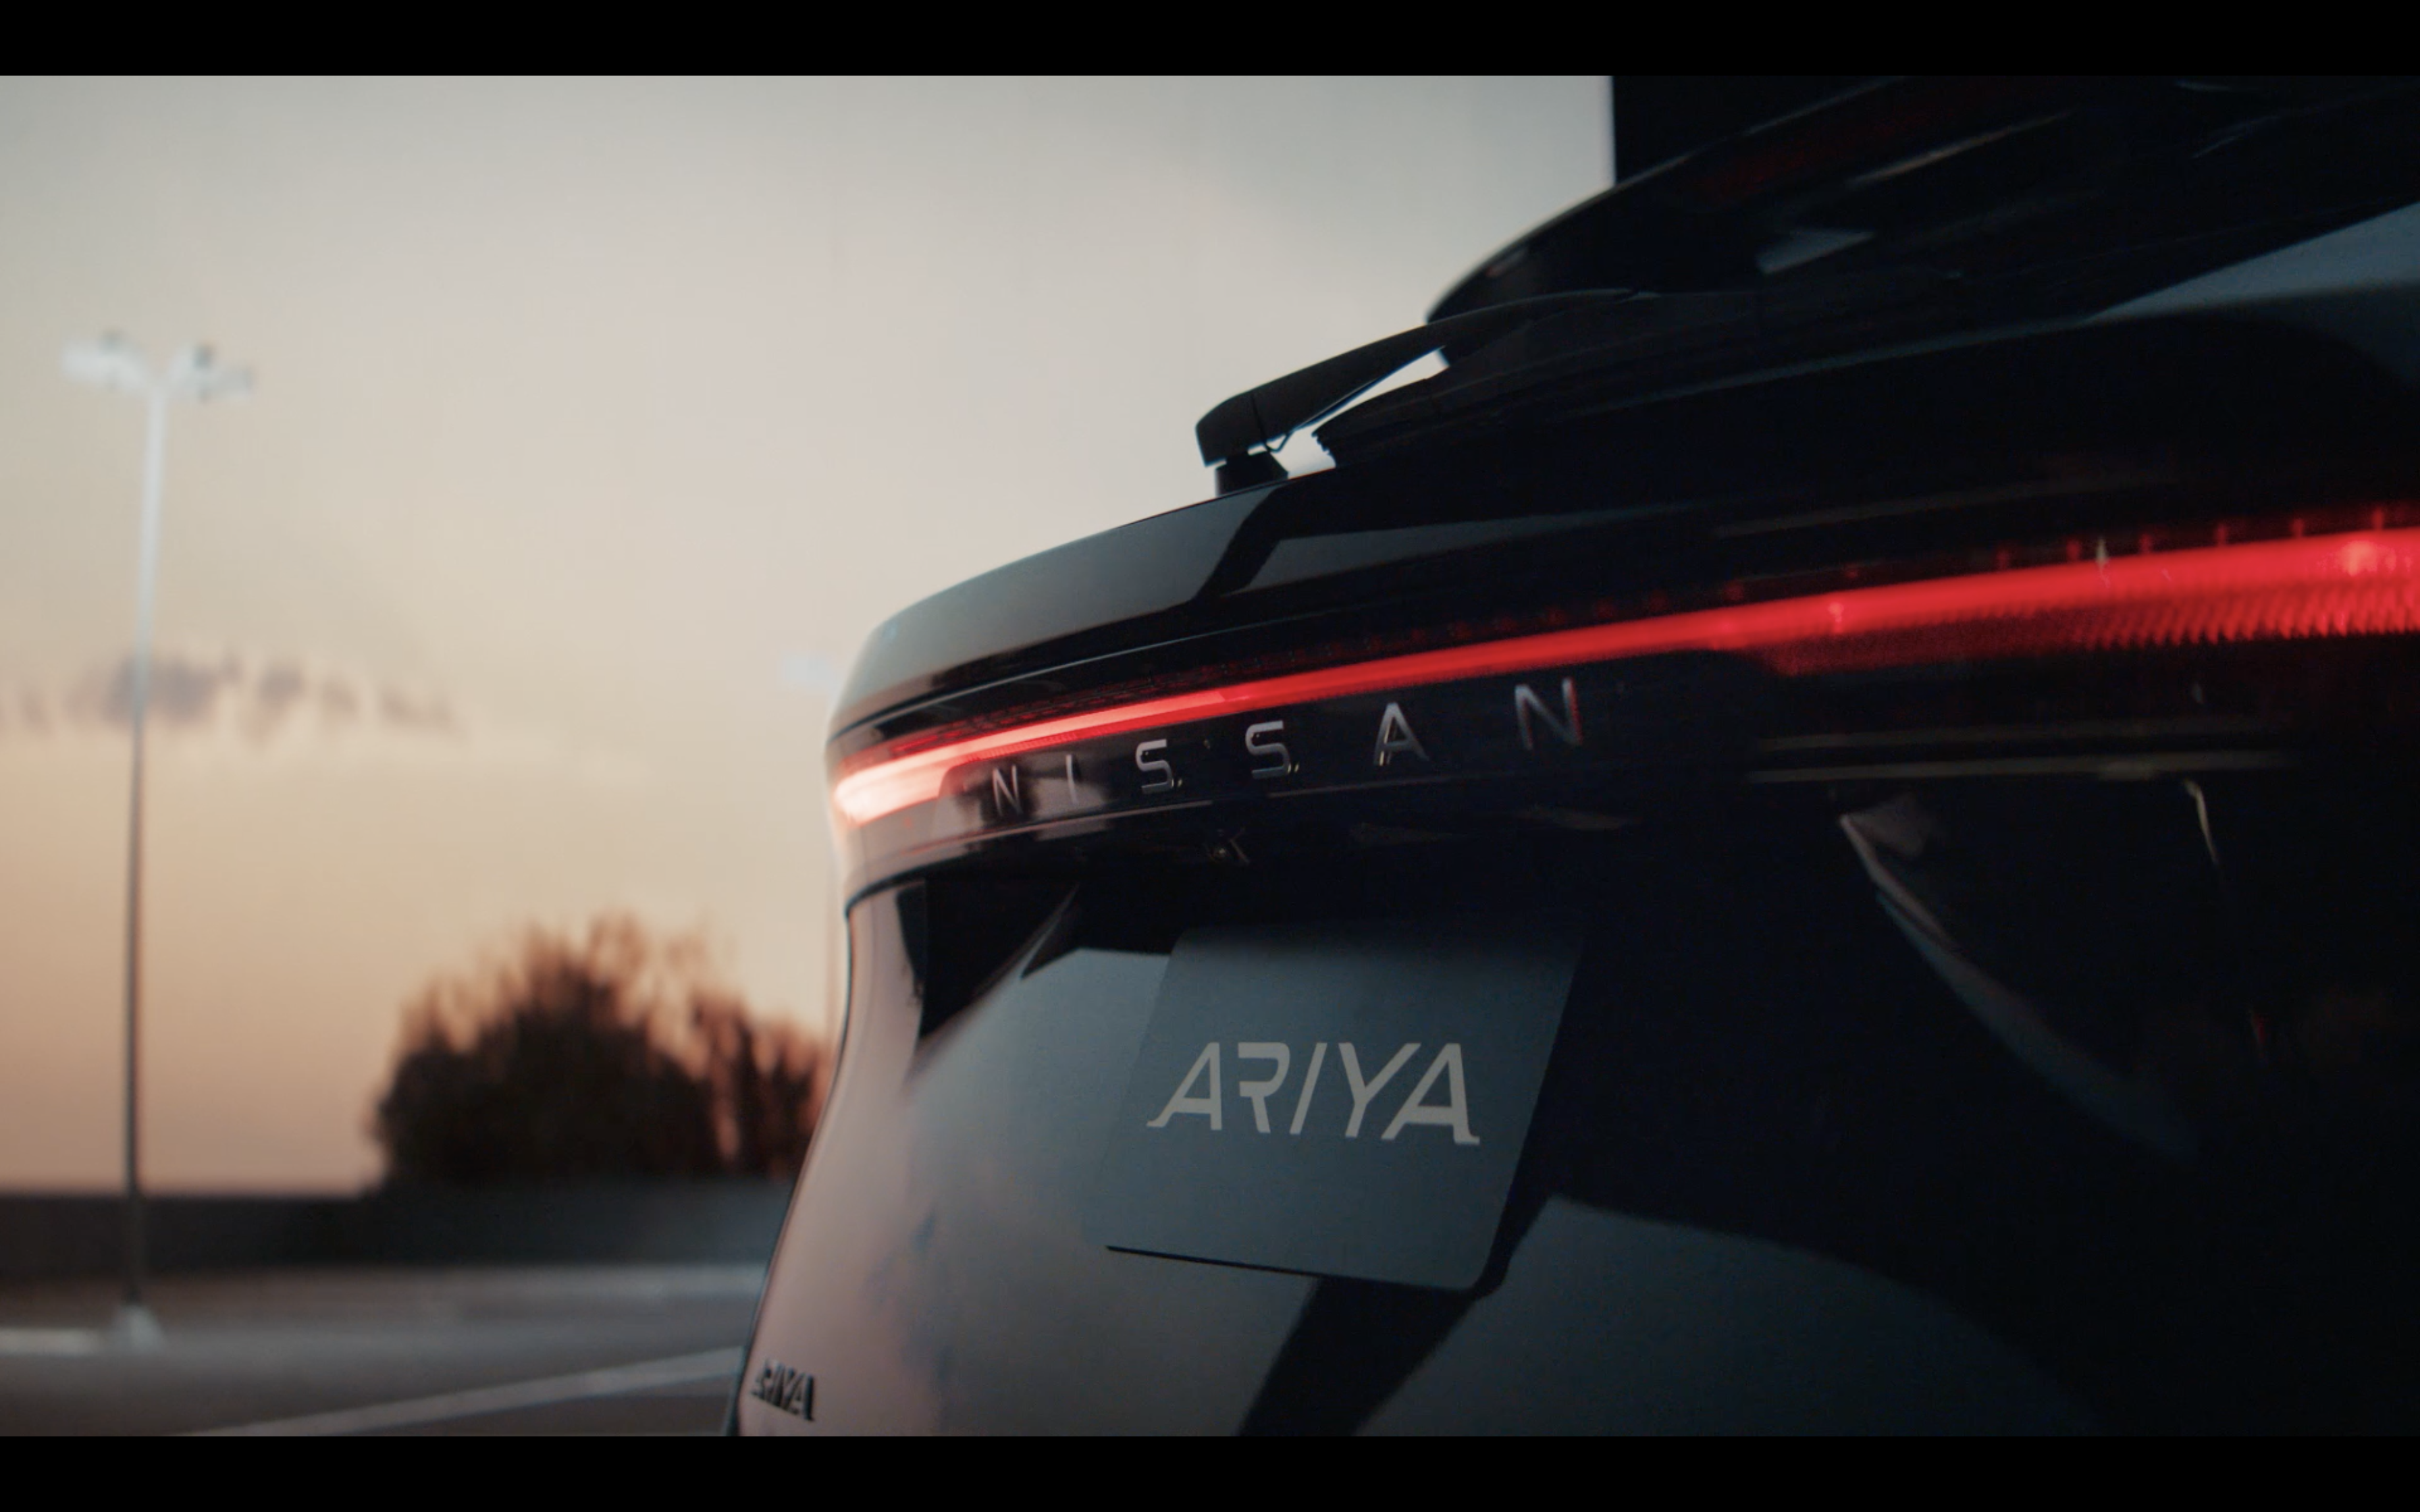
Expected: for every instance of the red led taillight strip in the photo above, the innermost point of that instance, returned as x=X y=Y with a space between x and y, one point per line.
x=2338 y=585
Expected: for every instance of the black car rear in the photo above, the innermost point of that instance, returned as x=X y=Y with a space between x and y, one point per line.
x=1819 y=834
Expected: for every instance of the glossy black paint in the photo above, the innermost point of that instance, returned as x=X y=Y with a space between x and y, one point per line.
x=2093 y=427
x=1784 y=1172
x=1778 y=1178
x=1056 y=600
x=938 y=1266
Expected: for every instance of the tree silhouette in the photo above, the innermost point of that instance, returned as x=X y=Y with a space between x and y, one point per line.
x=613 y=1054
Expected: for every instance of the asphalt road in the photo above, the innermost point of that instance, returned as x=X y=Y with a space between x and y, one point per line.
x=597 y=1350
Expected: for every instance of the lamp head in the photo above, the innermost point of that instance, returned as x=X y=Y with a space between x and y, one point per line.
x=195 y=373
x=110 y=362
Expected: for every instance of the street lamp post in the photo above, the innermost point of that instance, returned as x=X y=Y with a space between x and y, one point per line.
x=113 y=363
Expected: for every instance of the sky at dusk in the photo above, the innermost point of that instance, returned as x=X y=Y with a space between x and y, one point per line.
x=596 y=423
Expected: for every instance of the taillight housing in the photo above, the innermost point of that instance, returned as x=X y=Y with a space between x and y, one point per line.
x=1677 y=683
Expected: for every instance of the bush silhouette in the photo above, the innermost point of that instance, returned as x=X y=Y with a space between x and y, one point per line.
x=613 y=1054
